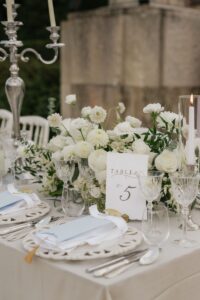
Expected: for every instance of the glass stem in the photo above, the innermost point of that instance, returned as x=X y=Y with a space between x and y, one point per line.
x=185 y=213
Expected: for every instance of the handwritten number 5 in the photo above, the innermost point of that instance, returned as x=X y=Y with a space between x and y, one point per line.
x=126 y=193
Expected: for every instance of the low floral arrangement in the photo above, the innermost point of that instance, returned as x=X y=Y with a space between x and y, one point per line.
x=85 y=141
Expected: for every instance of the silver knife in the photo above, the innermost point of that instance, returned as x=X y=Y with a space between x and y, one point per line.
x=108 y=267
x=15 y=228
x=121 y=269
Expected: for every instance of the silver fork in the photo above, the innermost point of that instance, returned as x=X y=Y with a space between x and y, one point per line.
x=17 y=235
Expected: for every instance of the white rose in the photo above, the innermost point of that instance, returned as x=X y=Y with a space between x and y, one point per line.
x=70 y=99
x=167 y=161
x=140 y=147
x=98 y=115
x=86 y=111
x=153 y=108
x=97 y=160
x=83 y=149
x=98 y=137
x=134 y=122
x=54 y=120
x=68 y=152
x=121 y=107
x=101 y=176
x=123 y=128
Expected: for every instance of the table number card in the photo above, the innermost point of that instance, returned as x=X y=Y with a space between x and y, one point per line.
x=122 y=187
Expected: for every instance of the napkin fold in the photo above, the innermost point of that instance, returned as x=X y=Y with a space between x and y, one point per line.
x=92 y=230
x=13 y=201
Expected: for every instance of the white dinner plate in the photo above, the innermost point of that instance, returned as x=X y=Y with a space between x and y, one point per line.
x=129 y=241
x=25 y=215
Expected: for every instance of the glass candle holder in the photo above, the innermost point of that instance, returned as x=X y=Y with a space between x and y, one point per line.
x=189 y=128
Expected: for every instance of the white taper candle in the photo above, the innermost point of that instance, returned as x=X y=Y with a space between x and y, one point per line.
x=191 y=134
x=51 y=13
x=9 y=10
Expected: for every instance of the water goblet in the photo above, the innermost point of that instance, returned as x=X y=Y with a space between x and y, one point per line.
x=150 y=186
x=155 y=230
x=185 y=190
x=71 y=201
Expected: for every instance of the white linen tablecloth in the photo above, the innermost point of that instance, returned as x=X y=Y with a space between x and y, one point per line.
x=176 y=275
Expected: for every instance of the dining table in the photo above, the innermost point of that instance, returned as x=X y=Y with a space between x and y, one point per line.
x=175 y=275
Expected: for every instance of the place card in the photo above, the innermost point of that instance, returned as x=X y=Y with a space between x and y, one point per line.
x=122 y=187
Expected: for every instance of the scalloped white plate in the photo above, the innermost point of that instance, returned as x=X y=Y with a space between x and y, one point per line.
x=129 y=241
x=25 y=215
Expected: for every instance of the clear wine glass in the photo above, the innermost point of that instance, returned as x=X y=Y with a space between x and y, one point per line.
x=155 y=229
x=150 y=186
x=185 y=190
x=71 y=201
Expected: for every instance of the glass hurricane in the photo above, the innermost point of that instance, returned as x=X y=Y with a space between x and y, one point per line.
x=185 y=190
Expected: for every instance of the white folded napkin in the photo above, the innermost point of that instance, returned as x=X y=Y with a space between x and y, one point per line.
x=20 y=200
x=92 y=230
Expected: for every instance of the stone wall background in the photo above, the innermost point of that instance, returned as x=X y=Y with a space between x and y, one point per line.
x=136 y=54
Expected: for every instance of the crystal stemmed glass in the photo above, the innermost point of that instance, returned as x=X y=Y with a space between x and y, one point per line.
x=185 y=190
x=150 y=186
x=155 y=230
x=71 y=201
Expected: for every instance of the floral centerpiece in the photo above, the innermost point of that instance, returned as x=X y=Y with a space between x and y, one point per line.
x=86 y=142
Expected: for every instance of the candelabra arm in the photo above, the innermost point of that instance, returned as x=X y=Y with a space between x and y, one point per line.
x=5 y=54
x=25 y=58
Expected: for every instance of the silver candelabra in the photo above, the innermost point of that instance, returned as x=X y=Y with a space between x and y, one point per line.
x=14 y=86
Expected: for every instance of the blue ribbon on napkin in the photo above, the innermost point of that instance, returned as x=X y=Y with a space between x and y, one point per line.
x=7 y=200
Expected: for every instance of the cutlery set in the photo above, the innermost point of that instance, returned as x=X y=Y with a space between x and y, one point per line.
x=116 y=266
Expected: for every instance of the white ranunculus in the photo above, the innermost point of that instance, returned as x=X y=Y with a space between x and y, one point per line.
x=134 y=122
x=123 y=128
x=68 y=152
x=83 y=149
x=121 y=107
x=153 y=108
x=59 y=142
x=95 y=191
x=70 y=99
x=97 y=160
x=85 y=112
x=79 y=129
x=140 y=147
x=167 y=162
x=97 y=114
x=54 y=120
x=168 y=117
x=98 y=138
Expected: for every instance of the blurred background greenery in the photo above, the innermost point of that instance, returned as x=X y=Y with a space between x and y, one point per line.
x=42 y=81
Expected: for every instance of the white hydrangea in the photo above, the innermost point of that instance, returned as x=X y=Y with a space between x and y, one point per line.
x=140 y=147
x=21 y=151
x=121 y=107
x=134 y=122
x=85 y=112
x=98 y=114
x=83 y=149
x=97 y=160
x=70 y=99
x=167 y=162
x=57 y=155
x=54 y=120
x=153 y=108
x=98 y=138
x=123 y=128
